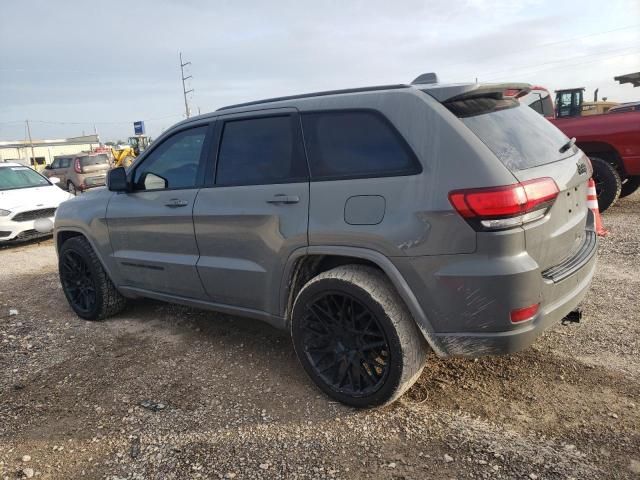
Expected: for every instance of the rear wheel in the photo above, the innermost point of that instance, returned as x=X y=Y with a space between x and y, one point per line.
x=71 y=188
x=355 y=337
x=88 y=289
x=629 y=186
x=608 y=182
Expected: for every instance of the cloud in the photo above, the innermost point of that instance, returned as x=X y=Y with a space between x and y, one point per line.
x=114 y=61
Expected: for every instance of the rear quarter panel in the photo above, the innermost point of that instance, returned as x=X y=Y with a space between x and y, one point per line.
x=419 y=220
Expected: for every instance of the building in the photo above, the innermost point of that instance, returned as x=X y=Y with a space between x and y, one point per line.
x=44 y=150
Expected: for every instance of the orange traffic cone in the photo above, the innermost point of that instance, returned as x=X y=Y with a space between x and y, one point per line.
x=592 y=204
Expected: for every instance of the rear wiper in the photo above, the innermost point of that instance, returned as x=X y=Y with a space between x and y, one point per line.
x=568 y=145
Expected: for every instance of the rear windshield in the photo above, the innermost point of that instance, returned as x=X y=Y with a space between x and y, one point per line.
x=93 y=160
x=515 y=133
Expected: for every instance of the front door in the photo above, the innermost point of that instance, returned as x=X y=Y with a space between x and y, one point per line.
x=151 y=227
x=256 y=214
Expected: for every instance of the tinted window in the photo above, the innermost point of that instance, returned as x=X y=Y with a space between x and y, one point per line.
x=65 y=163
x=355 y=144
x=173 y=163
x=515 y=133
x=260 y=151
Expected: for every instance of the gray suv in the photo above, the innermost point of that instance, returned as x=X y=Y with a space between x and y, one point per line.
x=374 y=224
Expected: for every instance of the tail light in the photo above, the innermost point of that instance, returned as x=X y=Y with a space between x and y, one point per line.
x=76 y=166
x=498 y=208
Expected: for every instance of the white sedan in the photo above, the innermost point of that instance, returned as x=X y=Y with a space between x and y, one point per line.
x=28 y=202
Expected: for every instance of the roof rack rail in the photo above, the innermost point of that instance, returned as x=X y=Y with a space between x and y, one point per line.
x=317 y=94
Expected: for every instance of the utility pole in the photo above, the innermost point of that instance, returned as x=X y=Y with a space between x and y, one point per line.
x=33 y=155
x=184 y=88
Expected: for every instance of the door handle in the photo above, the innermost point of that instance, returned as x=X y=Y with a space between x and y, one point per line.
x=282 y=199
x=176 y=202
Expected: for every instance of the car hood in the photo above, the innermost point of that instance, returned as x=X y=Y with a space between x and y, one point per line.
x=22 y=199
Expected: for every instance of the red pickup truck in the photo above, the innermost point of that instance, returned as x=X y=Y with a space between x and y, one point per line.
x=611 y=140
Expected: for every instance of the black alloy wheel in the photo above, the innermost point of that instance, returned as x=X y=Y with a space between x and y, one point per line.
x=345 y=344
x=78 y=282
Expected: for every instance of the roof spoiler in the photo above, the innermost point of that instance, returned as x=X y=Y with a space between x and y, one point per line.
x=449 y=93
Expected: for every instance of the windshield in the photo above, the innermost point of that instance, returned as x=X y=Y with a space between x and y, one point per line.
x=515 y=133
x=20 y=177
x=94 y=160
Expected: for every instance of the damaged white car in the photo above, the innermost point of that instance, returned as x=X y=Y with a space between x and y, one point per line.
x=28 y=202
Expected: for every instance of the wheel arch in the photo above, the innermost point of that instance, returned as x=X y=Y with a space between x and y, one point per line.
x=308 y=262
x=63 y=234
x=604 y=150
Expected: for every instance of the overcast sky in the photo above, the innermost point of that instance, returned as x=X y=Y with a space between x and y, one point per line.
x=67 y=65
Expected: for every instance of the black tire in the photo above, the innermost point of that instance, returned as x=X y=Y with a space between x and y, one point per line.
x=372 y=337
x=629 y=186
x=71 y=188
x=88 y=289
x=608 y=182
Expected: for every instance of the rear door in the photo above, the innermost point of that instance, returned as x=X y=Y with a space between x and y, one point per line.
x=531 y=147
x=151 y=227
x=255 y=214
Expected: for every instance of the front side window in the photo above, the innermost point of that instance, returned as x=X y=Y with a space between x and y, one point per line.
x=344 y=144
x=174 y=163
x=260 y=151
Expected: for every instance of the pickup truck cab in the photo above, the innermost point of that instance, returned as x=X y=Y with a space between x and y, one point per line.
x=611 y=141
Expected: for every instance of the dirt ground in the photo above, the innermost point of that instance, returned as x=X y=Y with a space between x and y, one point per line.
x=166 y=392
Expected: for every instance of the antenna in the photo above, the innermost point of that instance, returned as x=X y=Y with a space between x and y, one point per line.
x=184 y=88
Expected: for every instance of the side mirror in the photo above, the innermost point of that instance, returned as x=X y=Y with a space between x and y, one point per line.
x=54 y=180
x=48 y=167
x=117 y=180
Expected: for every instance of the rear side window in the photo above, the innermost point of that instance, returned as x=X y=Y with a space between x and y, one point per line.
x=260 y=151
x=351 y=144
x=93 y=160
x=515 y=133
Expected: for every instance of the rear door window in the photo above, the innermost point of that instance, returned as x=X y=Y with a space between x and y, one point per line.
x=261 y=151
x=515 y=133
x=355 y=144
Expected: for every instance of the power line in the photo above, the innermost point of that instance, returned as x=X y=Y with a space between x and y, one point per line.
x=542 y=45
x=90 y=122
x=562 y=61
x=568 y=65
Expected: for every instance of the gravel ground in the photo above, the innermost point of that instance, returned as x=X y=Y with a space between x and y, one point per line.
x=166 y=392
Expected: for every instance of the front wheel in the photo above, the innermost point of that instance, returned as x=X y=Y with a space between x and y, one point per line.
x=608 y=182
x=355 y=337
x=88 y=289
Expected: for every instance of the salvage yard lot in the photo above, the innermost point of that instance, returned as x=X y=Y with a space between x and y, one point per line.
x=234 y=403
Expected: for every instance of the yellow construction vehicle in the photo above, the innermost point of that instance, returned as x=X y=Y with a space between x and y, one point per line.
x=570 y=103
x=124 y=157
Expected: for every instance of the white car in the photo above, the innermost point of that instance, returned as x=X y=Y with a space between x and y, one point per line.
x=26 y=199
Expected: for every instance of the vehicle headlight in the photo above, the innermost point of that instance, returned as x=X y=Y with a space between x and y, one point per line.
x=4 y=213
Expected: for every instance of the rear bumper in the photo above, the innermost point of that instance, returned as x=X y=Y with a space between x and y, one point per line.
x=467 y=299
x=573 y=290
